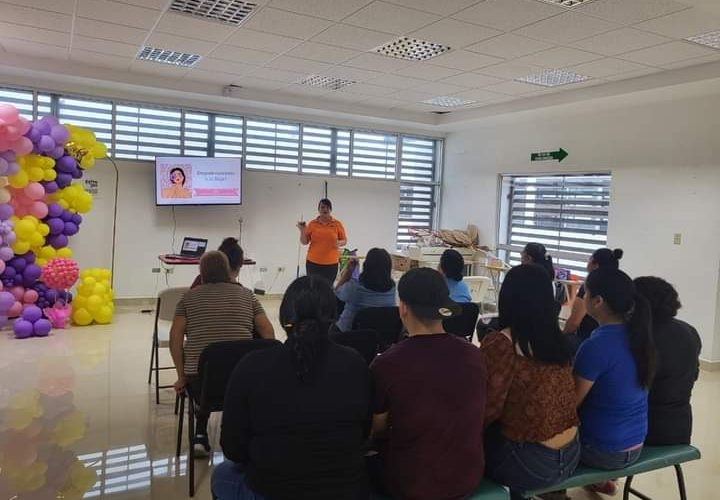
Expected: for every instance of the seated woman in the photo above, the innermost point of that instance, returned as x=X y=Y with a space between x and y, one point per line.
x=235 y=255
x=531 y=392
x=535 y=253
x=215 y=311
x=451 y=266
x=374 y=288
x=580 y=322
x=296 y=415
x=678 y=348
x=614 y=369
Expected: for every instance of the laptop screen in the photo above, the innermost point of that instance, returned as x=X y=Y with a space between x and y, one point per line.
x=193 y=247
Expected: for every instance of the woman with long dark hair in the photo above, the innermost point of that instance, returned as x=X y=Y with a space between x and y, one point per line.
x=296 y=415
x=532 y=442
x=535 y=253
x=614 y=370
x=374 y=288
x=235 y=255
x=580 y=322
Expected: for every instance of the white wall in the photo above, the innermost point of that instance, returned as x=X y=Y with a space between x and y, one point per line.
x=272 y=203
x=665 y=161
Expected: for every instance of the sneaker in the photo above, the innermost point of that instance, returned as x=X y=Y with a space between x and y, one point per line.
x=607 y=488
x=202 y=446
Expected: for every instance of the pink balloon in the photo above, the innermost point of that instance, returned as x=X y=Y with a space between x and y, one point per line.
x=30 y=297
x=23 y=146
x=15 y=310
x=39 y=209
x=35 y=191
x=18 y=292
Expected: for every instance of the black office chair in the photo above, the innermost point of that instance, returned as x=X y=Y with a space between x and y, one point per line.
x=363 y=341
x=486 y=328
x=384 y=320
x=216 y=365
x=464 y=324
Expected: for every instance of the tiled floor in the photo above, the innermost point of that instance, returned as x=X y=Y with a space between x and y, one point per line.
x=77 y=404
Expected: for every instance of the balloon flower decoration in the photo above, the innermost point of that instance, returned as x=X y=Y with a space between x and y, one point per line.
x=40 y=211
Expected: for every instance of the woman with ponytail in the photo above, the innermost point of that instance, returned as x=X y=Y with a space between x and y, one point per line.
x=296 y=416
x=614 y=370
x=580 y=322
x=535 y=253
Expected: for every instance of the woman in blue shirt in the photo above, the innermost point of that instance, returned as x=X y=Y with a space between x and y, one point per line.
x=451 y=266
x=374 y=288
x=614 y=369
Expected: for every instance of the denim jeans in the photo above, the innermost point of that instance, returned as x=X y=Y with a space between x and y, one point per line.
x=228 y=483
x=528 y=466
x=608 y=460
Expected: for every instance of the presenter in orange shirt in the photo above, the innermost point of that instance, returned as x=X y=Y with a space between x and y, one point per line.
x=325 y=235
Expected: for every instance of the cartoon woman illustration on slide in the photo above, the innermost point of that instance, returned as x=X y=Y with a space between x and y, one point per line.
x=177 y=187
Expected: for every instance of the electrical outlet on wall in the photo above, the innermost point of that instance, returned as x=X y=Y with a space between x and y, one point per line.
x=677 y=238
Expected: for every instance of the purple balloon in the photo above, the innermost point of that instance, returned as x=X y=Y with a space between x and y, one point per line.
x=34 y=134
x=6 y=211
x=42 y=328
x=57 y=240
x=66 y=164
x=63 y=180
x=55 y=210
x=6 y=301
x=46 y=144
x=58 y=152
x=77 y=174
x=70 y=229
x=23 y=329
x=32 y=272
x=77 y=219
x=50 y=187
x=56 y=225
x=32 y=313
x=66 y=216
x=10 y=238
x=9 y=273
x=51 y=296
x=59 y=134
x=19 y=263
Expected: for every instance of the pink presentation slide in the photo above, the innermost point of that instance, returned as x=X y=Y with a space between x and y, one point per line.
x=198 y=181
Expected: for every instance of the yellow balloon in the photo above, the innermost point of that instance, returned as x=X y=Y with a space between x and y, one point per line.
x=19 y=180
x=100 y=289
x=79 y=302
x=69 y=430
x=30 y=478
x=21 y=247
x=65 y=252
x=43 y=229
x=104 y=315
x=93 y=303
x=89 y=281
x=81 y=317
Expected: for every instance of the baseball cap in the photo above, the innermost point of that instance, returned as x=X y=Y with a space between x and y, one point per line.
x=425 y=291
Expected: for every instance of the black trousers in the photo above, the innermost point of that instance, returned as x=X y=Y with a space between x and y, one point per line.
x=327 y=272
x=201 y=421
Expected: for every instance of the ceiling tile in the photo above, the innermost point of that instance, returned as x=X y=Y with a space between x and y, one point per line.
x=150 y=4
x=419 y=107
x=304 y=66
x=323 y=53
x=34 y=49
x=303 y=90
x=510 y=46
x=105 y=46
x=682 y=24
x=558 y=57
x=412 y=95
x=567 y=28
x=280 y=22
x=38 y=35
x=102 y=60
x=507 y=15
x=110 y=31
x=61 y=6
x=513 y=88
x=242 y=55
x=465 y=60
x=454 y=33
x=252 y=82
x=606 y=67
x=352 y=37
x=345 y=97
x=390 y=18
x=235 y=68
x=471 y=80
x=624 y=12
x=619 y=41
x=382 y=102
x=710 y=58
x=633 y=74
x=444 y=8
x=397 y=82
x=197 y=74
x=158 y=69
x=369 y=89
x=668 y=53
x=33 y=17
x=509 y=70
x=334 y=10
x=427 y=71
x=478 y=95
x=180 y=43
x=120 y=13
x=376 y=62
x=278 y=75
x=197 y=28
x=262 y=41
x=357 y=74
x=439 y=88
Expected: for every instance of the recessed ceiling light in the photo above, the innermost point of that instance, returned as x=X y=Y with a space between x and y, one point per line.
x=167 y=57
x=326 y=82
x=225 y=11
x=553 y=78
x=448 y=101
x=709 y=39
x=412 y=49
x=567 y=3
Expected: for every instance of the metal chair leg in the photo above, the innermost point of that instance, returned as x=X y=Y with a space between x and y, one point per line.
x=181 y=418
x=681 y=482
x=177 y=402
x=152 y=358
x=157 y=373
x=627 y=488
x=191 y=447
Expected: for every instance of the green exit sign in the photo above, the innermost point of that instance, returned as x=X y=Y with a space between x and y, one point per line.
x=558 y=155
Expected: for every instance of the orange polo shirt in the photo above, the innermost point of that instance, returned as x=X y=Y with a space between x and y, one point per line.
x=323 y=240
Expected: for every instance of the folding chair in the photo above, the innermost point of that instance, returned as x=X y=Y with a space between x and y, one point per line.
x=164 y=314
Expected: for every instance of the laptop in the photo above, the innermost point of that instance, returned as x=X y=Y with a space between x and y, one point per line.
x=192 y=248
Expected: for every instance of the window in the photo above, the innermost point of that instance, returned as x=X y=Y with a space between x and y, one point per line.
x=417 y=187
x=143 y=132
x=21 y=99
x=342 y=153
x=228 y=136
x=196 y=133
x=272 y=145
x=373 y=155
x=317 y=149
x=89 y=114
x=566 y=213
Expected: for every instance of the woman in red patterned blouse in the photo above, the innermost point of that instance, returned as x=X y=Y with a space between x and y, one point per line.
x=531 y=437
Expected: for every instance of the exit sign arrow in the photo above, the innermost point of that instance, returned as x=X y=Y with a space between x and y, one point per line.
x=558 y=155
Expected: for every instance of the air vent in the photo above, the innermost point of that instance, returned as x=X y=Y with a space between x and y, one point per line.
x=710 y=39
x=326 y=82
x=441 y=112
x=553 y=78
x=567 y=3
x=225 y=11
x=411 y=49
x=448 y=101
x=164 y=56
